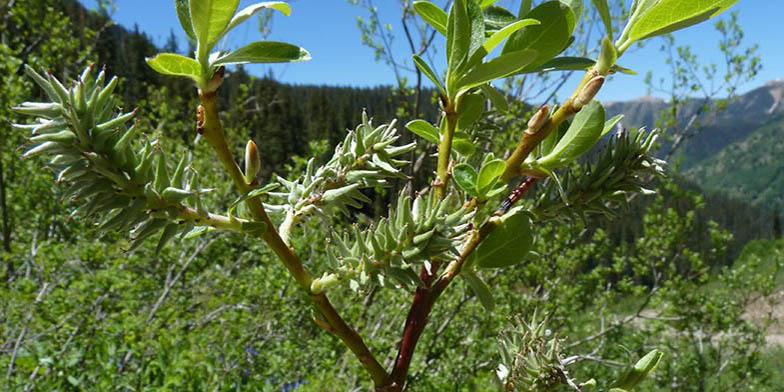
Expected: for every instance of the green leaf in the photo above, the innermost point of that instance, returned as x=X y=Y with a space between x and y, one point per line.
x=433 y=15
x=525 y=7
x=568 y=63
x=470 y=108
x=499 y=36
x=458 y=38
x=488 y=175
x=255 y=228
x=604 y=13
x=174 y=64
x=496 y=18
x=248 y=11
x=583 y=133
x=495 y=96
x=565 y=64
x=424 y=130
x=210 y=18
x=508 y=244
x=499 y=67
x=640 y=371
x=254 y=193
x=667 y=16
x=477 y=26
x=197 y=231
x=610 y=124
x=548 y=38
x=463 y=146
x=480 y=289
x=548 y=144
x=184 y=14
x=422 y=65
x=576 y=7
x=465 y=177
x=265 y=52
x=486 y=3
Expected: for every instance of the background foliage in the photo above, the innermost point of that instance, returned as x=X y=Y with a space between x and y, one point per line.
x=80 y=313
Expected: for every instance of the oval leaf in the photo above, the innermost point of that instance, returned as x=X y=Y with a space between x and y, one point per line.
x=548 y=38
x=463 y=146
x=489 y=174
x=667 y=16
x=433 y=15
x=508 y=244
x=583 y=133
x=265 y=52
x=465 y=177
x=248 y=11
x=210 y=18
x=174 y=64
x=424 y=130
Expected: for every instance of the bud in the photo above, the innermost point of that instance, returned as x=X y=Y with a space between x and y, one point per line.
x=536 y=122
x=588 y=92
x=640 y=371
x=252 y=162
x=200 y=119
x=607 y=57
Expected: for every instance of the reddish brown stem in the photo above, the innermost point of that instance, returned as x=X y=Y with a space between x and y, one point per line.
x=424 y=298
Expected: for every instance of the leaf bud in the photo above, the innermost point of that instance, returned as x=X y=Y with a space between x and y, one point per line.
x=252 y=162
x=588 y=92
x=538 y=119
x=607 y=57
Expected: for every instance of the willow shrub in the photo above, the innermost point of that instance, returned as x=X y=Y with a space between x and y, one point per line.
x=468 y=223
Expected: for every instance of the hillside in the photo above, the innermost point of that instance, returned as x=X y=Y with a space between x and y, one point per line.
x=751 y=169
x=742 y=116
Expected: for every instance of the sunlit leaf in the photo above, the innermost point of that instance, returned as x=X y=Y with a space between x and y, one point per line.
x=424 y=130
x=465 y=177
x=667 y=16
x=265 y=52
x=432 y=14
x=548 y=38
x=583 y=133
x=248 y=11
x=174 y=64
x=210 y=18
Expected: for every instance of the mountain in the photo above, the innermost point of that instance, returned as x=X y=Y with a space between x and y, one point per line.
x=742 y=116
x=739 y=154
x=751 y=169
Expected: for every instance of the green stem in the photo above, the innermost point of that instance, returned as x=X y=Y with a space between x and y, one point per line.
x=445 y=152
x=213 y=132
x=531 y=140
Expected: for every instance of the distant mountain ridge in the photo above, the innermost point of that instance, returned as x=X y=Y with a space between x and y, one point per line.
x=744 y=114
x=739 y=154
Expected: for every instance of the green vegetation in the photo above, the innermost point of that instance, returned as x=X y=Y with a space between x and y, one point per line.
x=559 y=292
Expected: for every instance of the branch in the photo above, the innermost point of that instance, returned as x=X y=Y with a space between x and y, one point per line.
x=212 y=129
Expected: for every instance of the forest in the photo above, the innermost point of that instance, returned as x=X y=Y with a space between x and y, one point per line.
x=681 y=266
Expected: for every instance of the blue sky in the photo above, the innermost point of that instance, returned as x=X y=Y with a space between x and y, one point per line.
x=328 y=29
